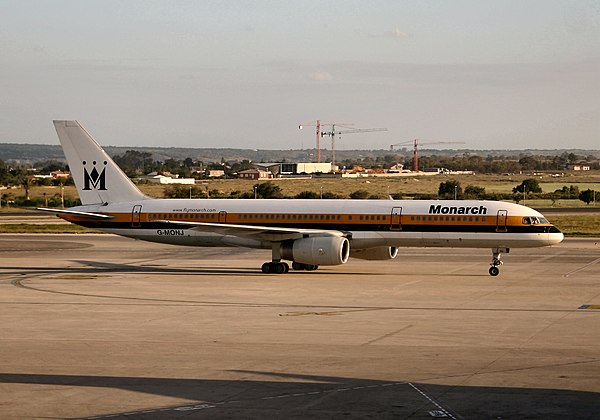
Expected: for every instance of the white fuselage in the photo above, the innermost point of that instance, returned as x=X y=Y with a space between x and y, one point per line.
x=367 y=223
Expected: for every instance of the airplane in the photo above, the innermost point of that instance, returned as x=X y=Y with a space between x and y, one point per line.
x=308 y=233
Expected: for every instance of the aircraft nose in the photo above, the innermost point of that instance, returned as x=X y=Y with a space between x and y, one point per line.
x=555 y=237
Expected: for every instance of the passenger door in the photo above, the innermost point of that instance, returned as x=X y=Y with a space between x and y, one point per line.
x=136 y=215
x=396 y=219
x=501 y=220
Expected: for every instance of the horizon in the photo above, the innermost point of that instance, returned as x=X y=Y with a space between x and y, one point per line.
x=189 y=74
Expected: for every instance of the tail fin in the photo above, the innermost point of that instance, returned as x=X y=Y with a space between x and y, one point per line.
x=98 y=179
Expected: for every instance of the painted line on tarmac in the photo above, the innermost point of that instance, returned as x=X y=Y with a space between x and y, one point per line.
x=596 y=261
x=445 y=412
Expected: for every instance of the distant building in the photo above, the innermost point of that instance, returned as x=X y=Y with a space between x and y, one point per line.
x=215 y=173
x=579 y=167
x=435 y=170
x=254 y=174
x=60 y=174
x=155 y=178
x=313 y=168
x=305 y=168
x=396 y=168
x=52 y=175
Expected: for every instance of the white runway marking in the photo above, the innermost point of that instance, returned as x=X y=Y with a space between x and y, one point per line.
x=596 y=261
x=442 y=409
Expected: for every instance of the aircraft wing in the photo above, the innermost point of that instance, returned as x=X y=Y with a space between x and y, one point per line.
x=265 y=233
x=86 y=214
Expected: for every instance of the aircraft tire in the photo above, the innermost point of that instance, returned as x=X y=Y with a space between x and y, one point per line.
x=494 y=271
x=278 y=268
x=266 y=268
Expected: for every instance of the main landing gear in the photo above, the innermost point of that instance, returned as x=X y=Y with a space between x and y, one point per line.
x=496 y=252
x=279 y=267
x=300 y=266
x=276 y=266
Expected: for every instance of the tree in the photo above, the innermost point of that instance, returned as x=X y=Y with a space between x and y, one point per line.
x=528 y=185
x=359 y=195
x=450 y=189
x=268 y=190
x=134 y=163
x=26 y=184
x=529 y=163
x=473 y=191
x=183 y=191
x=331 y=196
x=307 y=195
x=587 y=196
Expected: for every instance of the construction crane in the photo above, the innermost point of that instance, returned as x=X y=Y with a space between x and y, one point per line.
x=333 y=133
x=416 y=143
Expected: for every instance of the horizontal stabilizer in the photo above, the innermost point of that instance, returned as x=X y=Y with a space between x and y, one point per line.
x=76 y=213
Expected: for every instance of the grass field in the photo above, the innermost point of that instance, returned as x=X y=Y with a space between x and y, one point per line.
x=380 y=187
x=53 y=228
x=577 y=225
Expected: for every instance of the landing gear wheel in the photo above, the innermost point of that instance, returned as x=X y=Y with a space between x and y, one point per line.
x=301 y=266
x=496 y=261
x=275 y=267
x=279 y=268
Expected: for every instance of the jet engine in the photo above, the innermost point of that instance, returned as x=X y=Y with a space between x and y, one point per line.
x=377 y=253
x=327 y=250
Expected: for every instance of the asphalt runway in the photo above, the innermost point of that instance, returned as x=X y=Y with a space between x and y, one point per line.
x=96 y=326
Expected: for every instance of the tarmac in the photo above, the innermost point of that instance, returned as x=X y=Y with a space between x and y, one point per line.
x=97 y=326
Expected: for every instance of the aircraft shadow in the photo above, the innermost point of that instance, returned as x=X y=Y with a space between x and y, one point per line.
x=299 y=396
x=103 y=267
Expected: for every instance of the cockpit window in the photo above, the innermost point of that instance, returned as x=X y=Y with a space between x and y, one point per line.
x=533 y=220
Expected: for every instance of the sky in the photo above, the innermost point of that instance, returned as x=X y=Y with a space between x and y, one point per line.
x=512 y=74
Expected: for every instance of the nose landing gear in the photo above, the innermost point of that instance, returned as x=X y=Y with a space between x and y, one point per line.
x=496 y=252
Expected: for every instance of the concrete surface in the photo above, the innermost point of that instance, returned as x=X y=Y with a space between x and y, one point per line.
x=95 y=326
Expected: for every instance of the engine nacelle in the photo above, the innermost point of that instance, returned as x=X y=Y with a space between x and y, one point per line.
x=377 y=253
x=328 y=250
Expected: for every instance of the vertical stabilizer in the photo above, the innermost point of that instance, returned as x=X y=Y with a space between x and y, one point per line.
x=98 y=179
